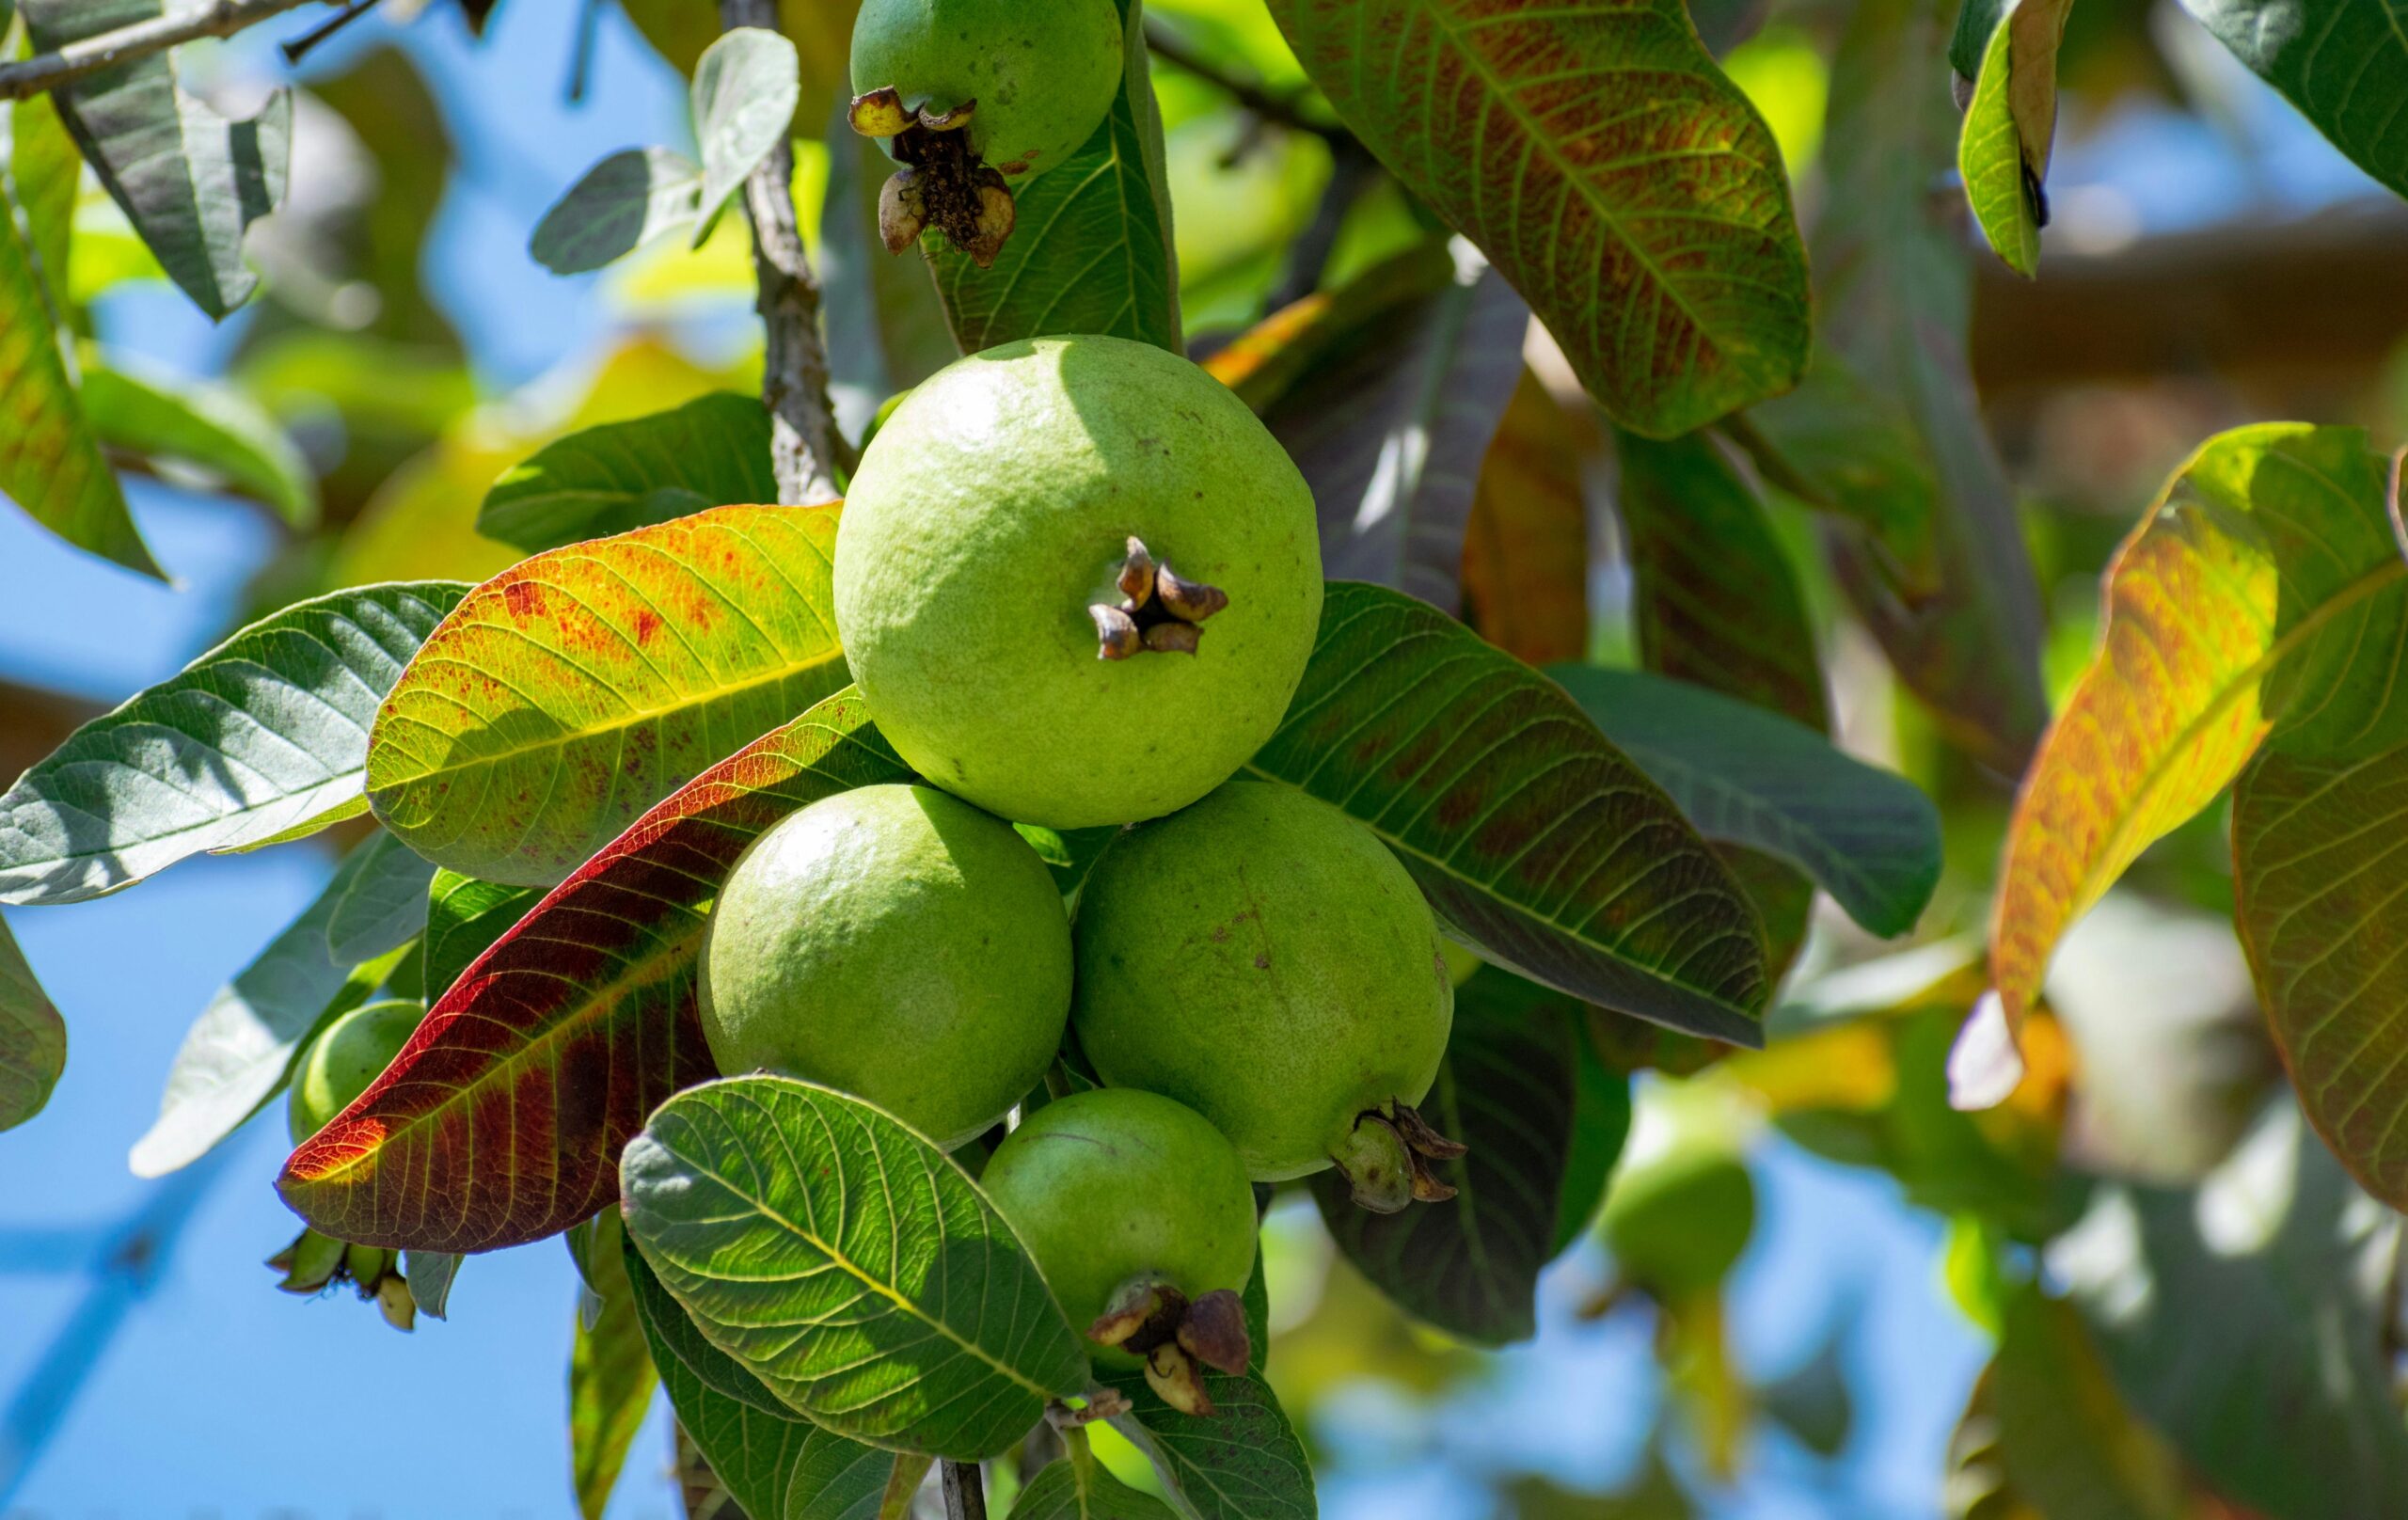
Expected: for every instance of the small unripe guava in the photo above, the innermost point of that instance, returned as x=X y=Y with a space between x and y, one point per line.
x=1678 y=1222
x=896 y=944
x=346 y=1056
x=1010 y=501
x=1263 y=959
x=1042 y=72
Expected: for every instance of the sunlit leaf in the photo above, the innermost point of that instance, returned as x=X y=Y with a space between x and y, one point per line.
x=610 y=1376
x=2009 y=127
x=204 y=424
x=681 y=30
x=1537 y=842
x=574 y=689
x=240 y=1050
x=1242 y=1462
x=2344 y=63
x=622 y=203
x=746 y=87
x=32 y=1037
x=1606 y=167
x=464 y=917
x=850 y=1265
x=1526 y=547
x=46 y=172
x=578 y=1022
x=713 y=451
x=191 y=181
x=1073 y=1489
x=265 y=733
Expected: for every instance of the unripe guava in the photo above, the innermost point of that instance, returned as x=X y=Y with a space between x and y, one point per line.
x=1042 y=72
x=1263 y=959
x=896 y=944
x=1678 y=1222
x=1023 y=498
x=1141 y=1218
x=346 y=1056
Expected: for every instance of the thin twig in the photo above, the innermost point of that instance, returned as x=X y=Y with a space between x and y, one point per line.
x=807 y=449
x=1283 y=109
x=965 y=1493
x=46 y=71
x=1352 y=171
x=309 y=41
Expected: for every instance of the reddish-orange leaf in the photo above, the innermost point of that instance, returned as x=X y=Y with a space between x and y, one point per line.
x=1525 y=552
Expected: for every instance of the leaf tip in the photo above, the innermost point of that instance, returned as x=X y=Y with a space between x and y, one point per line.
x=1985 y=1064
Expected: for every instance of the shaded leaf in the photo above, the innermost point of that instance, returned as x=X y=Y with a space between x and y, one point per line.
x=379 y=911
x=1596 y=153
x=1074 y=1490
x=1601 y=1114
x=204 y=424
x=429 y=1274
x=2009 y=127
x=712 y=452
x=610 y=1378
x=240 y=1050
x=574 y=1026
x=190 y=181
x=574 y=689
x=1751 y=777
x=1839 y=445
x=627 y=200
x=464 y=917
x=1091 y=249
x=1470 y=1265
x=850 y=1265
x=1537 y=842
x=265 y=734
x=2344 y=63
x=746 y=87
x=1526 y=547
x=32 y=1037
x=1244 y=1461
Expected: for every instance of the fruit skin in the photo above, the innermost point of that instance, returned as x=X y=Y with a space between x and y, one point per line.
x=1043 y=73
x=1678 y=1222
x=349 y=1054
x=897 y=943
x=1108 y=1186
x=1264 y=959
x=994 y=510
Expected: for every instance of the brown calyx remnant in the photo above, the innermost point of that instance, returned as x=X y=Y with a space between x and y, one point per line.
x=1385 y=1159
x=1158 y=1323
x=943 y=183
x=1159 y=611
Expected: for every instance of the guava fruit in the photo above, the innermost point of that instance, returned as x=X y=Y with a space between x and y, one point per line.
x=1023 y=495
x=1263 y=959
x=1677 y=1222
x=897 y=943
x=346 y=1056
x=976 y=95
x=1141 y=1218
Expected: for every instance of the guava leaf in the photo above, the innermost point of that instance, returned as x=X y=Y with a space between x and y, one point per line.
x=32 y=1037
x=464 y=917
x=1601 y=1114
x=239 y=1052
x=622 y=203
x=1751 y=777
x=1839 y=445
x=263 y=736
x=50 y=463
x=429 y=1274
x=1526 y=546
x=1609 y=169
x=47 y=173
x=576 y=688
x=1470 y=1265
x=204 y=424
x=2244 y=598
x=713 y=451
x=1073 y=1490
x=1538 y=843
x=190 y=181
x=850 y=1265
x=2009 y=127
x=376 y=913
x=554 y=1045
x=1091 y=249
x=610 y=1379
x=774 y=1461
x=746 y=87
x=2344 y=63
x=1242 y=1462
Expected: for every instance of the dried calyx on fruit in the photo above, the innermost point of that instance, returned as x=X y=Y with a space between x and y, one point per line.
x=943 y=183
x=1157 y=1324
x=1159 y=613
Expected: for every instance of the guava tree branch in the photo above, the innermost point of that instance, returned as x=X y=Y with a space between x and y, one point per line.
x=1281 y=110
x=46 y=71
x=807 y=448
x=965 y=1492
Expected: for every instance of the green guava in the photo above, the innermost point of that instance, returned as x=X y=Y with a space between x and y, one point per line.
x=1679 y=1221
x=896 y=944
x=349 y=1054
x=1039 y=75
x=1141 y=1218
x=1263 y=959
x=1077 y=580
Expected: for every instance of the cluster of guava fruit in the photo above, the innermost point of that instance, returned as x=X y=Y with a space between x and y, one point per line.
x=334 y=1070
x=1078 y=583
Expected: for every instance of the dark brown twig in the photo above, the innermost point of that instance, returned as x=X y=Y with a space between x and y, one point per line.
x=1284 y=110
x=1353 y=170
x=46 y=71
x=309 y=41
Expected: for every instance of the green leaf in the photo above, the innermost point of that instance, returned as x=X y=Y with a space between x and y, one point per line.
x=1470 y=1265
x=610 y=1377
x=1607 y=167
x=464 y=917
x=574 y=689
x=204 y=424
x=623 y=202
x=777 y=1465
x=47 y=174
x=2243 y=600
x=1090 y=251
x=191 y=181
x=1839 y=445
x=378 y=912
x=240 y=1050
x=746 y=88
x=265 y=734
x=1538 y=843
x=2009 y=126
x=2344 y=63
x=1751 y=777
x=429 y=1274
x=712 y=452
x=1242 y=1462
x=32 y=1037
x=850 y=1265
x=1075 y=1489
